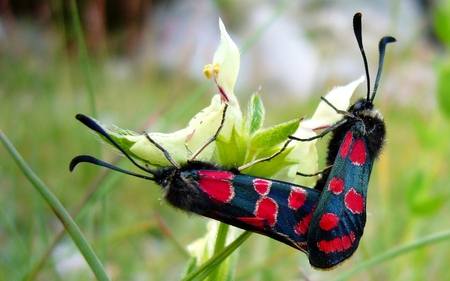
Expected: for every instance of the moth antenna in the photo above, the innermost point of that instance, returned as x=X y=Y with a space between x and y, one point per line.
x=90 y=159
x=91 y=124
x=382 y=49
x=357 y=29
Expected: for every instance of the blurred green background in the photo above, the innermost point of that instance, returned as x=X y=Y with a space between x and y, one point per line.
x=141 y=63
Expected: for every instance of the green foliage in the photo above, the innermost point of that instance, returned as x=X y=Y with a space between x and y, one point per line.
x=258 y=142
x=254 y=120
x=238 y=143
x=267 y=138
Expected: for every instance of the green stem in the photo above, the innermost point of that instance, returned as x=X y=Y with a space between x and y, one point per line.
x=431 y=239
x=59 y=211
x=220 y=244
x=205 y=269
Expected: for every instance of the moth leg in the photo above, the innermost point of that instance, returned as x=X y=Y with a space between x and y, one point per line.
x=243 y=167
x=211 y=139
x=316 y=173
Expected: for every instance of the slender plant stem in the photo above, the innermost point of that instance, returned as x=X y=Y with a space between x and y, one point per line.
x=205 y=269
x=83 y=55
x=431 y=239
x=221 y=239
x=59 y=211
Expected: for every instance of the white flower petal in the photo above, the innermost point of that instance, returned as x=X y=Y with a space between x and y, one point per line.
x=174 y=143
x=182 y=143
x=228 y=58
x=305 y=153
x=326 y=116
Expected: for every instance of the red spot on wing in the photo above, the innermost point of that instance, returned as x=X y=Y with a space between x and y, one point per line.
x=328 y=221
x=258 y=222
x=302 y=227
x=217 y=184
x=345 y=146
x=262 y=186
x=216 y=174
x=346 y=241
x=338 y=244
x=296 y=198
x=267 y=208
x=352 y=237
x=358 y=152
x=354 y=201
x=336 y=185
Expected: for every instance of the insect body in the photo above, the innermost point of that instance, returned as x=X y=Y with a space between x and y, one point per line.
x=338 y=221
x=273 y=208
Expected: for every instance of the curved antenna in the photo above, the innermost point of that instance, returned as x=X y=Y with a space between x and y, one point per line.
x=357 y=29
x=93 y=125
x=382 y=50
x=89 y=159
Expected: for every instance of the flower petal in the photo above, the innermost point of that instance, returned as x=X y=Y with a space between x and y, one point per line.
x=305 y=154
x=228 y=58
x=326 y=116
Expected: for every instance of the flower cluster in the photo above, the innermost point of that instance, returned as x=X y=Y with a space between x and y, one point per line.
x=243 y=138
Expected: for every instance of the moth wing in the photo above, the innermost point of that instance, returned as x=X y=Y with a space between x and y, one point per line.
x=276 y=209
x=338 y=221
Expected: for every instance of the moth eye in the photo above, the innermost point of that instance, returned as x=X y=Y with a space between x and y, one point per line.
x=358 y=106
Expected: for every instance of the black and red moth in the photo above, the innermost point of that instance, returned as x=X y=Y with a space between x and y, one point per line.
x=273 y=208
x=339 y=218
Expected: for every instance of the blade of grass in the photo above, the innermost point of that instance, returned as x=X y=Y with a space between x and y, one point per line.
x=431 y=239
x=75 y=213
x=83 y=55
x=60 y=212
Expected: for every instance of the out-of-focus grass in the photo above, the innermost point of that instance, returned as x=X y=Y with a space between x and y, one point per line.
x=408 y=193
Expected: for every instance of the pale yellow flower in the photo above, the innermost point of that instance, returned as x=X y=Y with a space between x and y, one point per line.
x=180 y=144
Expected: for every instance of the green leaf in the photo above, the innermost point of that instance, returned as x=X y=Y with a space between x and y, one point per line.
x=231 y=153
x=272 y=136
x=268 y=169
x=255 y=114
